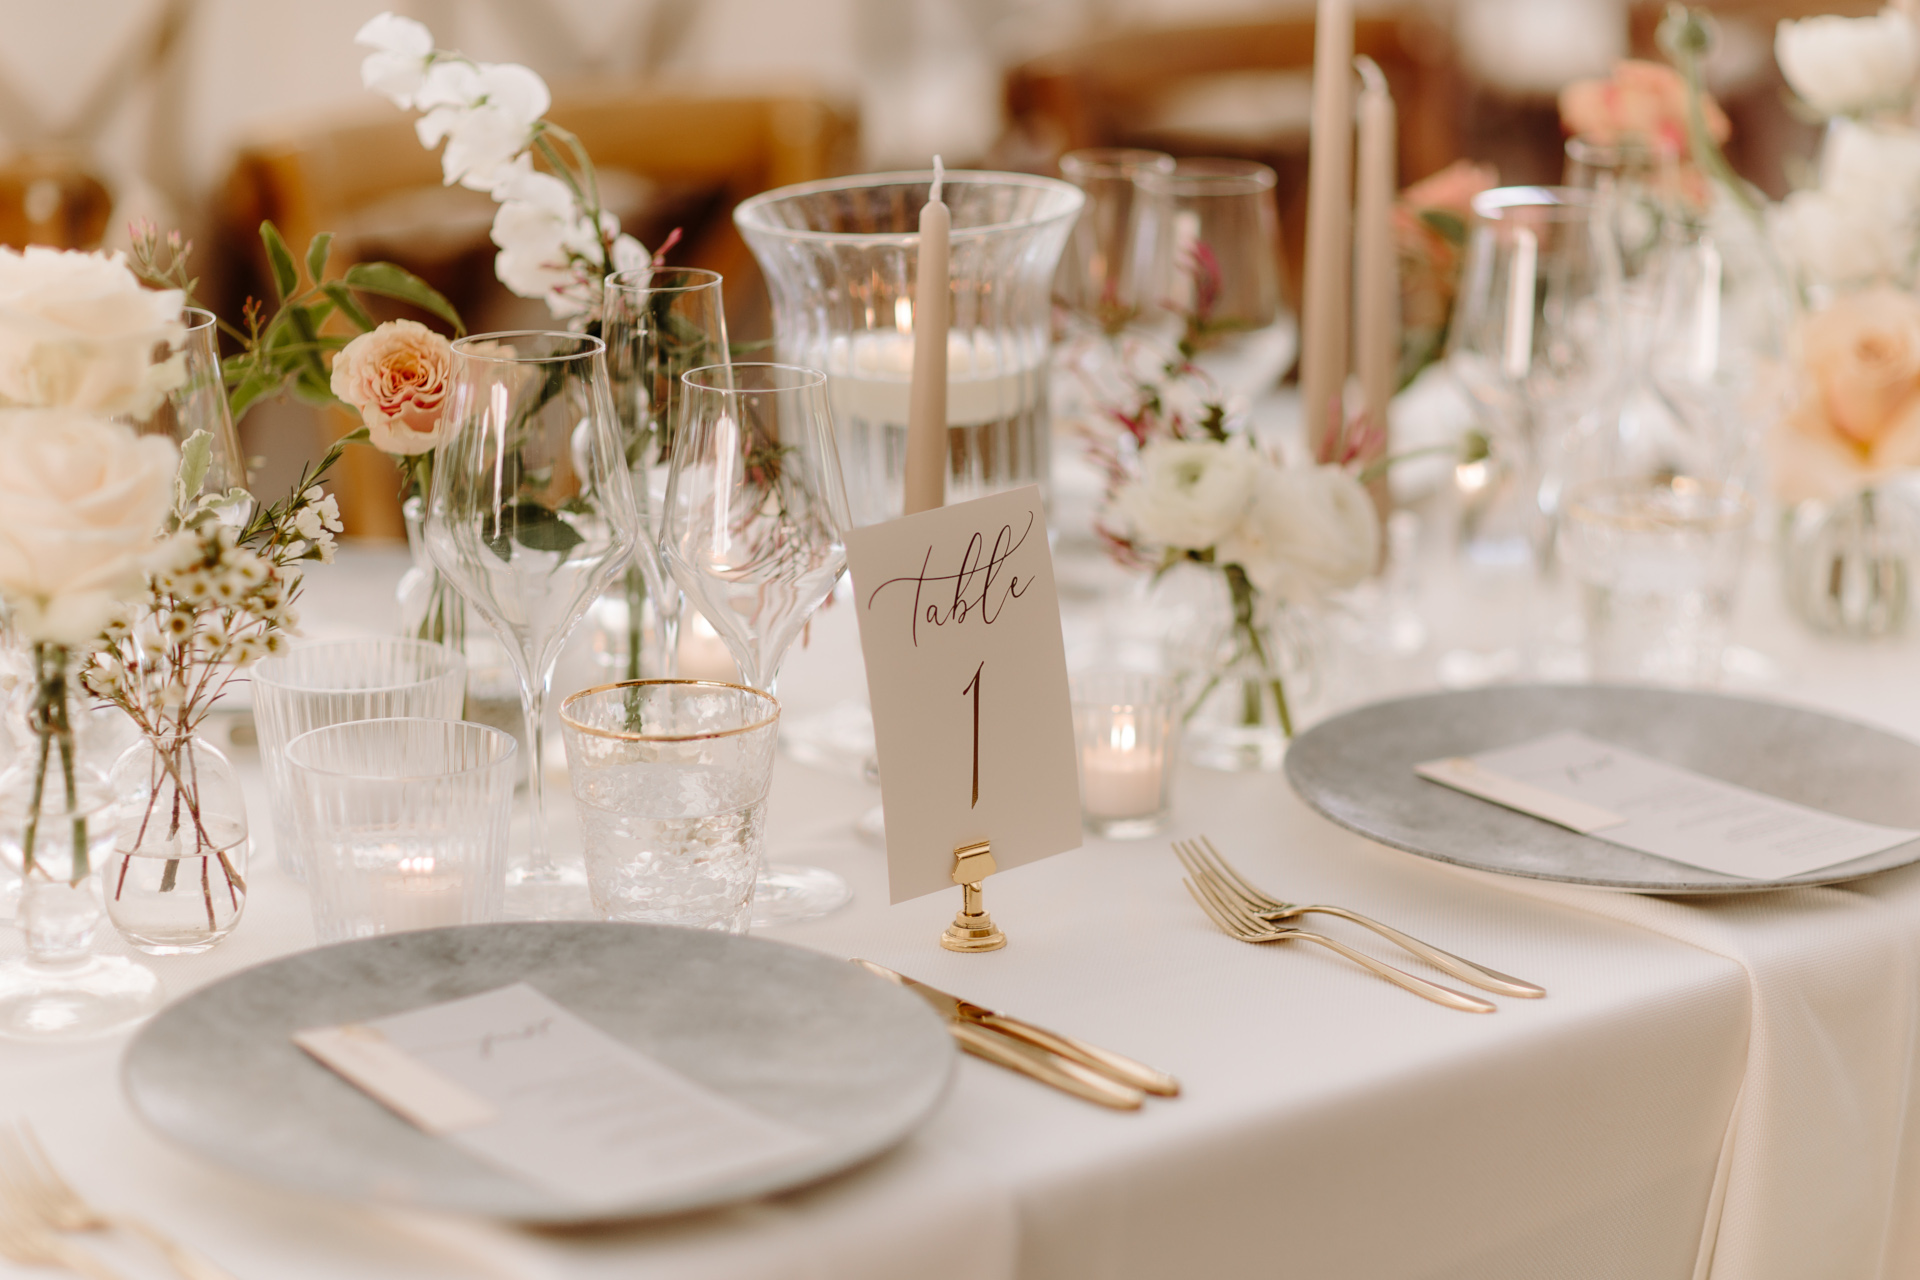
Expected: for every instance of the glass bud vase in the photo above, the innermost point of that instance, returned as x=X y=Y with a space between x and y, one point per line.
x=432 y=609
x=1245 y=665
x=1848 y=565
x=56 y=828
x=175 y=881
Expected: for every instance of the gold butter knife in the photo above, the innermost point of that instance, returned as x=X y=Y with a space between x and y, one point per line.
x=1105 y=1062
x=1068 y=1077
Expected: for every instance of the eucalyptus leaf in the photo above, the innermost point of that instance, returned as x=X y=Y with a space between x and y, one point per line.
x=390 y=281
x=317 y=255
x=196 y=456
x=286 y=278
x=351 y=309
x=538 y=529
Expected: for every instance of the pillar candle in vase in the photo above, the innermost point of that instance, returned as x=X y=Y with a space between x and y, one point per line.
x=926 y=470
x=1329 y=265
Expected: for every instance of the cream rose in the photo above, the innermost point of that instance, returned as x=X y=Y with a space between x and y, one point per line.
x=1849 y=66
x=1190 y=492
x=79 y=331
x=397 y=377
x=82 y=500
x=1308 y=531
x=1858 y=415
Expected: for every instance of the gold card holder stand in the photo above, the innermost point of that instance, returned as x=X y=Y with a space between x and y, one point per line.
x=972 y=928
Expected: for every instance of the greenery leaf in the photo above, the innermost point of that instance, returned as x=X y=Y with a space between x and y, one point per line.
x=196 y=456
x=390 y=281
x=286 y=278
x=352 y=310
x=317 y=255
x=1450 y=226
x=538 y=529
x=313 y=388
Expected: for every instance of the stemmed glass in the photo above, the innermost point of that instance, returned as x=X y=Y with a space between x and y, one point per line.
x=1106 y=275
x=1535 y=342
x=659 y=323
x=531 y=516
x=1218 y=264
x=756 y=535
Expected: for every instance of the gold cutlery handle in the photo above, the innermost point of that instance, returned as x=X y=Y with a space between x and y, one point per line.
x=187 y=1264
x=73 y=1258
x=1445 y=961
x=1068 y=1077
x=1398 y=977
x=1105 y=1061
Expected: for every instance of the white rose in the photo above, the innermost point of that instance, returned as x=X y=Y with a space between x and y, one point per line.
x=1190 y=492
x=1308 y=531
x=78 y=330
x=397 y=67
x=81 y=504
x=485 y=112
x=1849 y=66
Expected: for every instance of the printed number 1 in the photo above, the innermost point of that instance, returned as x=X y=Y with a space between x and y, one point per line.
x=973 y=687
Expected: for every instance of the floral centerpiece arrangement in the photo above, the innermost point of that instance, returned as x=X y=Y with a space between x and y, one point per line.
x=1188 y=485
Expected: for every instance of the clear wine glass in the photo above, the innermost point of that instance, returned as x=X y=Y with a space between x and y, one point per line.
x=659 y=322
x=531 y=516
x=756 y=535
x=1218 y=266
x=1535 y=342
x=1106 y=275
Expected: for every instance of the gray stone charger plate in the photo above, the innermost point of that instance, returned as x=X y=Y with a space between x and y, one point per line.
x=1357 y=769
x=797 y=1035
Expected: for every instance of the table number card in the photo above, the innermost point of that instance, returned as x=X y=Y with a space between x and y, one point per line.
x=960 y=626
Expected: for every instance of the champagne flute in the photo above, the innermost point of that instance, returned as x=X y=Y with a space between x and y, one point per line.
x=531 y=516
x=659 y=323
x=756 y=535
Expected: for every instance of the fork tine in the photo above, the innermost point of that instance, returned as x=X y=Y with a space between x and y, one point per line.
x=1226 y=926
x=17 y=1174
x=1226 y=869
x=1245 y=925
x=1195 y=861
x=46 y=1175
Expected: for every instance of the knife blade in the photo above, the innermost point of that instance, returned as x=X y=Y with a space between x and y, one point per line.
x=1107 y=1063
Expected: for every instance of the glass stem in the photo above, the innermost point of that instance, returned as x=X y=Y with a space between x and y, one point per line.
x=533 y=703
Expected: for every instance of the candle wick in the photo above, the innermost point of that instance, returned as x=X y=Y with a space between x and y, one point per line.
x=939 y=179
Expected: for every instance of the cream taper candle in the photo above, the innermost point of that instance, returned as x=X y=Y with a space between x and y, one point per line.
x=1329 y=265
x=926 y=471
x=1376 y=326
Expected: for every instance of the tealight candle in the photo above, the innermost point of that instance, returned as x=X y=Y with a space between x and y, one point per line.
x=1125 y=724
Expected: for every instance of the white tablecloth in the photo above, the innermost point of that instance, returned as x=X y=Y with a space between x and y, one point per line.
x=1713 y=1088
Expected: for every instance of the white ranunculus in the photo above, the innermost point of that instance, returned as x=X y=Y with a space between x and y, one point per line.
x=539 y=231
x=1850 y=66
x=82 y=500
x=1308 y=531
x=78 y=330
x=1836 y=241
x=629 y=254
x=485 y=112
x=1190 y=492
x=397 y=67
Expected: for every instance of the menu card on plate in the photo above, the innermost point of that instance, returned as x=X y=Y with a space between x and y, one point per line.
x=967 y=673
x=1626 y=798
x=519 y=1082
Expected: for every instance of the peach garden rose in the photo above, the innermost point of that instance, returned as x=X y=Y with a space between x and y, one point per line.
x=398 y=377
x=1858 y=417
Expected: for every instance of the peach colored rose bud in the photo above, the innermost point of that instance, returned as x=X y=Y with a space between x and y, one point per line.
x=397 y=377
x=1642 y=103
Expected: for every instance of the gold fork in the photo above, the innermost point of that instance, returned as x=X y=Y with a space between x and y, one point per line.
x=1237 y=922
x=1204 y=861
x=32 y=1245
x=29 y=1181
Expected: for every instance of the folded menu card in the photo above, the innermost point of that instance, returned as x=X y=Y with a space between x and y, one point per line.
x=1617 y=795
x=519 y=1082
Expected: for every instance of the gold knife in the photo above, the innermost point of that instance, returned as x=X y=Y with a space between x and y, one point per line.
x=1105 y=1062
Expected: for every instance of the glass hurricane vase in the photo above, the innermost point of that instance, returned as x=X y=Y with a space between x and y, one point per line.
x=1245 y=664
x=175 y=881
x=1847 y=565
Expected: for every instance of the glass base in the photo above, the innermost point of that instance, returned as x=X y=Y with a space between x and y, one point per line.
x=783 y=895
x=99 y=995
x=1138 y=828
x=1237 y=749
x=555 y=893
